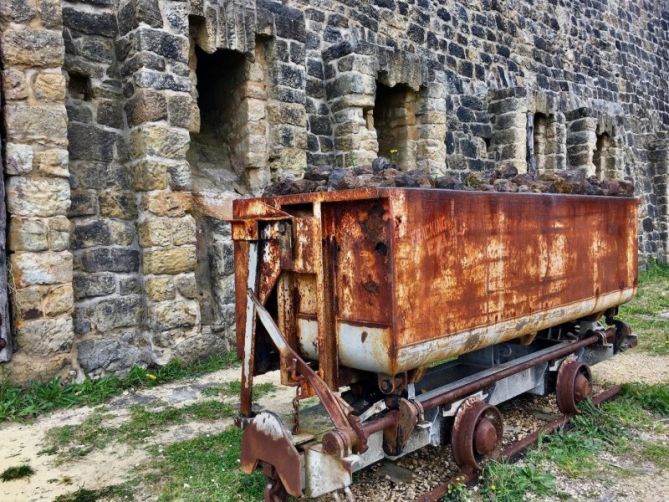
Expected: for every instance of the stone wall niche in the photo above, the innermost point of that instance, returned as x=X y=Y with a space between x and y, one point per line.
x=229 y=157
x=546 y=142
x=395 y=124
x=605 y=158
x=229 y=150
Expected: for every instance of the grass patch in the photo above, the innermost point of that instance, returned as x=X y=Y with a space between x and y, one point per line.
x=643 y=313
x=18 y=472
x=72 y=441
x=234 y=388
x=19 y=403
x=658 y=453
x=504 y=482
x=574 y=452
x=143 y=423
x=204 y=469
x=86 y=495
x=654 y=398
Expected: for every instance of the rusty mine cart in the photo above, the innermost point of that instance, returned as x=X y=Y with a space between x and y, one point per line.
x=411 y=313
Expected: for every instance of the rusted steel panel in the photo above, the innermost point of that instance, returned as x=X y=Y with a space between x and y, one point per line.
x=466 y=260
x=362 y=233
x=406 y=277
x=306 y=237
x=324 y=263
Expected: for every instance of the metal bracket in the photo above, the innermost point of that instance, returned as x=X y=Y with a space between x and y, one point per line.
x=348 y=434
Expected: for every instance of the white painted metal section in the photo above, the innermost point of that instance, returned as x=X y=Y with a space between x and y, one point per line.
x=250 y=307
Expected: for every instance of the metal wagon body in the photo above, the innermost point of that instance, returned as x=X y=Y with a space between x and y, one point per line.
x=381 y=284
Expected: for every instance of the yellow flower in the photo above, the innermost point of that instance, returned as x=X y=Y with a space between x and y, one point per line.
x=151 y=376
x=492 y=487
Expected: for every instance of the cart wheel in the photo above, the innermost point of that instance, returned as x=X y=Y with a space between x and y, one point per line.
x=476 y=434
x=574 y=384
x=274 y=489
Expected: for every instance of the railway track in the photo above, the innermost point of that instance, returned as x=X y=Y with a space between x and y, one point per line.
x=513 y=450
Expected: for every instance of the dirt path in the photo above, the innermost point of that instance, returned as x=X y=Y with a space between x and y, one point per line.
x=113 y=464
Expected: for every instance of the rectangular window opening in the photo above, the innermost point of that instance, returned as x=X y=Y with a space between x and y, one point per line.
x=394 y=119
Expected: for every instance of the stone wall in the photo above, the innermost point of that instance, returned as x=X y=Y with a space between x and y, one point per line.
x=129 y=122
x=38 y=192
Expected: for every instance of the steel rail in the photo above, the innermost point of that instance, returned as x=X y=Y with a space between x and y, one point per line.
x=513 y=450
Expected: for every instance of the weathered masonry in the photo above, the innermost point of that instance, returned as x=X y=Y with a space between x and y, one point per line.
x=129 y=124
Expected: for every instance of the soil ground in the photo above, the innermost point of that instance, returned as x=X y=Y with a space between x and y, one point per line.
x=176 y=441
x=116 y=463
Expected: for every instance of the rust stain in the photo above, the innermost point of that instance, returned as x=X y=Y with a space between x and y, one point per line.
x=430 y=264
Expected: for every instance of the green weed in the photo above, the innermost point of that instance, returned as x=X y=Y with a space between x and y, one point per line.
x=658 y=453
x=18 y=472
x=643 y=313
x=654 y=398
x=504 y=482
x=86 y=495
x=206 y=468
x=19 y=403
x=233 y=389
x=71 y=441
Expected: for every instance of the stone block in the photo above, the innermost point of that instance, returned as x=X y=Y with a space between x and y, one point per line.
x=171 y=143
x=28 y=234
x=109 y=113
x=169 y=260
x=130 y=286
x=107 y=314
x=52 y=162
x=96 y=49
x=19 y=158
x=58 y=300
x=84 y=203
x=93 y=22
x=17 y=11
x=44 y=123
x=91 y=233
x=173 y=314
x=115 y=204
x=88 y=142
x=46 y=336
x=35 y=48
x=49 y=86
x=146 y=78
x=146 y=106
x=111 y=355
x=109 y=260
x=187 y=286
x=167 y=203
x=59 y=233
x=92 y=285
x=180 y=176
x=51 y=13
x=38 y=196
x=27 y=304
x=155 y=232
x=29 y=269
x=14 y=84
x=159 y=288
x=151 y=175
x=184 y=112
x=183 y=230
x=174 y=47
